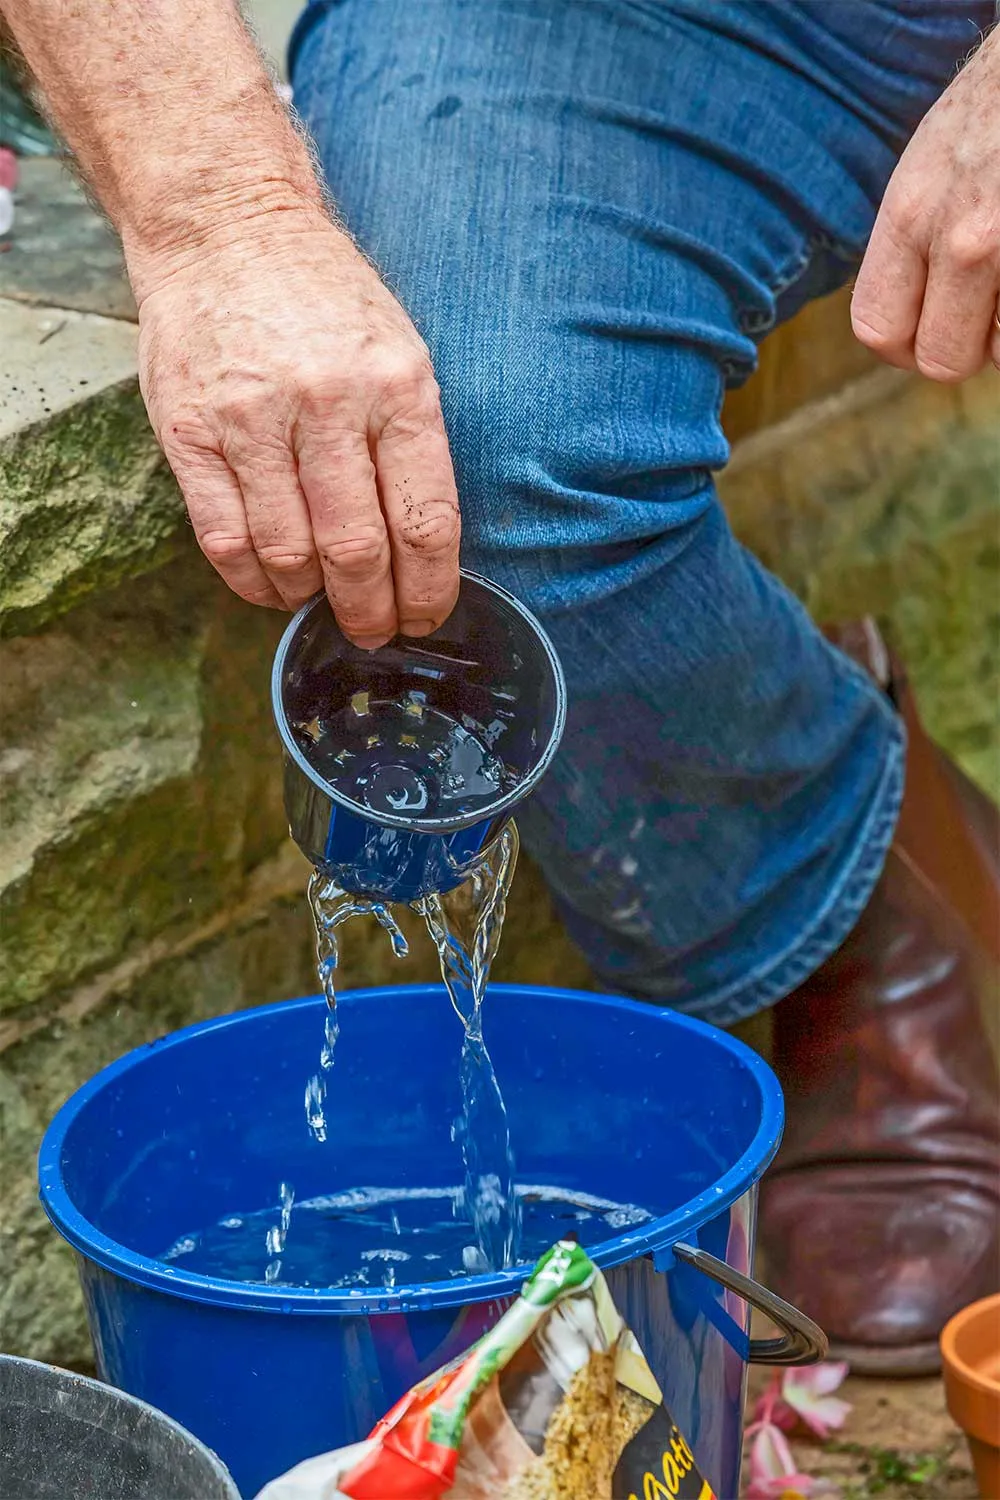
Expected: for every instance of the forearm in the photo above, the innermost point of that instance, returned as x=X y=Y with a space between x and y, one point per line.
x=172 y=117
x=292 y=396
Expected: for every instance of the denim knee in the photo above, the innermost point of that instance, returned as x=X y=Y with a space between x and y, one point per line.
x=565 y=501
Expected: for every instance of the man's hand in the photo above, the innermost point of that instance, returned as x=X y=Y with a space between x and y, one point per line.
x=297 y=407
x=292 y=395
x=926 y=295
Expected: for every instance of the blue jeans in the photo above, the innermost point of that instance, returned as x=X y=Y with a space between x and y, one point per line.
x=593 y=211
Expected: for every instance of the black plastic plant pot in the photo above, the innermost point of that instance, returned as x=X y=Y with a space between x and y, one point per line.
x=382 y=821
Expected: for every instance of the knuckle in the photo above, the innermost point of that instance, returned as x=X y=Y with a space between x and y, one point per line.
x=320 y=393
x=945 y=370
x=354 y=622
x=407 y=387
x=249 y=443
x=970 y=245
x=403 y=367
x=904 y=212
x=187 y=424
x=188 y=441
x=433 y=530
x=225 y=546
x=358 y=553
x=278 y=558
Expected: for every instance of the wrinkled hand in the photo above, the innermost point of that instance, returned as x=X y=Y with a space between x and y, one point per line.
x=297 y=407
x=926 y=294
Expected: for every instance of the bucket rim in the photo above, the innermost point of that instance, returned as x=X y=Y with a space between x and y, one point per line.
x=682 y=1223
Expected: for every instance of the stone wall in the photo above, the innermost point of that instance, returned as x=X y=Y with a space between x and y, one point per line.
x=147 y=878
x=145 y=874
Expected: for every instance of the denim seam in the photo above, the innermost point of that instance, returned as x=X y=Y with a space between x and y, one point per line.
x=755 y=324
x=837 y=916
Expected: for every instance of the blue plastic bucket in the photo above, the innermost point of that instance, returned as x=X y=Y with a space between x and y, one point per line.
x=617 y=1099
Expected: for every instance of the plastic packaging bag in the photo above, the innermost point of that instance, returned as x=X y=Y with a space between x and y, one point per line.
x=556 y=1402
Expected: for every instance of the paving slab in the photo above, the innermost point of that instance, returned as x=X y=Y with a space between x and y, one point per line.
x=53 y=357
x=61 y=252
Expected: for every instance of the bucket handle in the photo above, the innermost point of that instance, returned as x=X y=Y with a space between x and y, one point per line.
x=802 y=1342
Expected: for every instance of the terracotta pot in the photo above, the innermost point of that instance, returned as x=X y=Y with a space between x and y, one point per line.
x=970 y=1348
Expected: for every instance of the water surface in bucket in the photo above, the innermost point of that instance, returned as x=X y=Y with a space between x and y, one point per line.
x=385 y=1236
x=465 y=926
x=401 y=756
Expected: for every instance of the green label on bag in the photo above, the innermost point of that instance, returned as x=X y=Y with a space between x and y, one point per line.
x=565 y=1268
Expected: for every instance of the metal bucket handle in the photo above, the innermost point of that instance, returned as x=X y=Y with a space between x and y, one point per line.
x=802 y=1342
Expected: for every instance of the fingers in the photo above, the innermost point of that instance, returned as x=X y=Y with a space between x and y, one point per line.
x=338 y=480
x=280 y=525
x=995 y=336
x=351 y=491
x=925 y=301
x=953 y=335
x=420 y=503
x=889 y=293
x=215 y=504
x=381 y=537
x=384 y=508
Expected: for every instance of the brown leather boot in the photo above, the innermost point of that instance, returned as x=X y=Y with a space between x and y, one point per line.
x=882 y=1215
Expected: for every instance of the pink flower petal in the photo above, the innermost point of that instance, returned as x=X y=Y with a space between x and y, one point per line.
x=770 y=1455
x=827 y=1416
x=784 y=1416
x=762 y=1489
x=817 y=1380
x=829 y=1376
x=805 y=1391
x=791 y=1487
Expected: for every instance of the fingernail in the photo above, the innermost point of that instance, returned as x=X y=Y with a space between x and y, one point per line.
x=417 y=627
x=370 y=642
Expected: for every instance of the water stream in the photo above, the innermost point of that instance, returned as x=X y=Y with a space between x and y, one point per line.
x=331 y=907
x=465 y=926
x=274 y=1240
x=371 y=1236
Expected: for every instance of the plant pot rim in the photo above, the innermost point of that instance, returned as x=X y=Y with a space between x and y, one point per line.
x=957 y=1367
